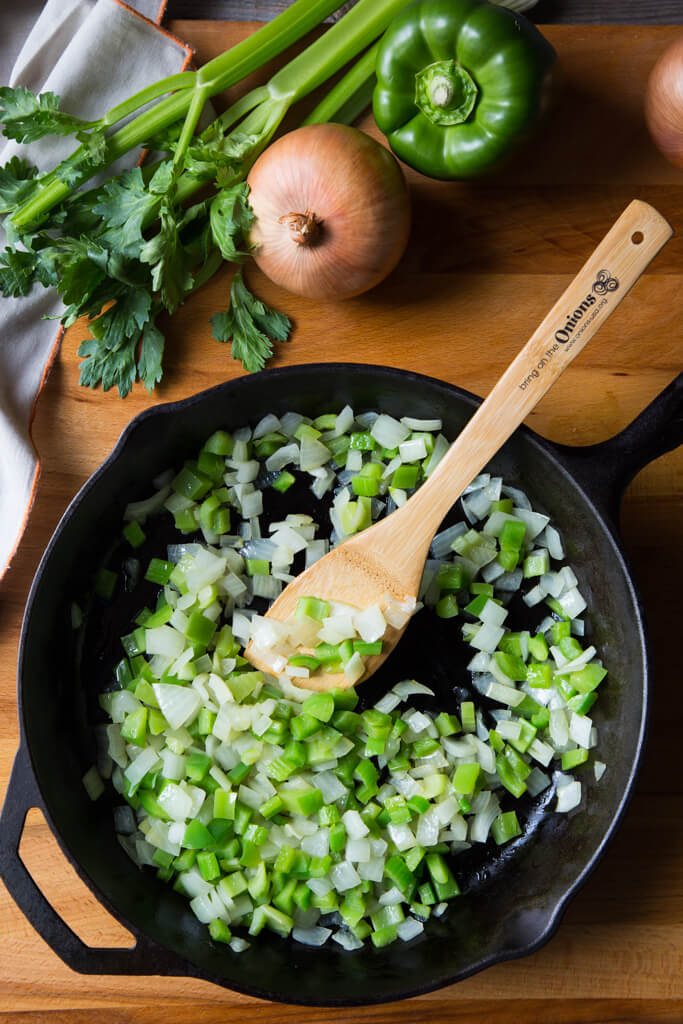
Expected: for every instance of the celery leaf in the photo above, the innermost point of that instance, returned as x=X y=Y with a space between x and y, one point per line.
x=170 y=273
x=16 y=181
x=17 y=270
x=151 y=353
x=109 y=355
x=231 y=218
x=123 y=205
x=251 y=325
x=28 y=117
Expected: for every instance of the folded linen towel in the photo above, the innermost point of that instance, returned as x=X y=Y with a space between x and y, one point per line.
x=92 y=53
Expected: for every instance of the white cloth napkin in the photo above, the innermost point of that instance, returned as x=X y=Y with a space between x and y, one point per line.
x=92 y=53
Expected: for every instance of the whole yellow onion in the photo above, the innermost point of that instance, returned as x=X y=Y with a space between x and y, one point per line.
x=332 y=211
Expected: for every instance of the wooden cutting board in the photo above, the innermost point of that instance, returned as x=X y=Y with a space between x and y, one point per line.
x=485 y=262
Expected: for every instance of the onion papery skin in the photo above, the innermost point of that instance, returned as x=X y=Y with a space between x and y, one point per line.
x=664 y=103
x=356 y=191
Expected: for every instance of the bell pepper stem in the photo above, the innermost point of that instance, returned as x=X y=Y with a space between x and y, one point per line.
x=446 y=92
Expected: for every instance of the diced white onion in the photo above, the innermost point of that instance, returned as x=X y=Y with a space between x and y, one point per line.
x=140 y=510
x=124 y=820
x=370 y=623
x=241 y=627
x=164 y=640
x=580 y=729
x=422 y=425
x=138 y=768
x=568 y=796
x=485 y=754
x=505 y=694
x=559 y=727
x=535 y=521
x=317 y=844
x=510 y=581
x=173 y=765
x=401 y=836
x=509 y=730
x=270 y=424
x=354 y=825
x=330 y=786
x=487 y=637
x=492 y=572
x=313 y=453
x=537 y=781
x=441 y=446
x=441 y=544
x=175 y=801
x=496 y=521
x=413 y=450
x=572 y=603
x=388 y=702
x=358 y=850
x=541 y=751
x=480 y=824
x=178 y=704
x=252 y=504
x=284 y=456
x=347 y=940
x=409 y=929
x=476 y=506
x=534 y=596
x=552 y=583
x=389 y=432
x=289 y=423
x=315 y=936
x=493 y=613
x=266 y=586
x=344 y=421
x=92 y=781
x=372 y=870
x=337 y=628
x=553 y=542
x=344 y=876
x=428 y=828
x=410 y=686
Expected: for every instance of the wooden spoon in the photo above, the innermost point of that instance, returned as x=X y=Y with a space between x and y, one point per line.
x=387 y=560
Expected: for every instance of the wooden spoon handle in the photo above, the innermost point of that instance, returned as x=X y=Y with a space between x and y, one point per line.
x=596 y=291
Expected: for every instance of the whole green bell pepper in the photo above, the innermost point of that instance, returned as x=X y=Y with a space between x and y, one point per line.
x=459 y=83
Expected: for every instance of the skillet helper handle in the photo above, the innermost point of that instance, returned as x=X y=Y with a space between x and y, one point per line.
x=606 y=469
x=145 y=957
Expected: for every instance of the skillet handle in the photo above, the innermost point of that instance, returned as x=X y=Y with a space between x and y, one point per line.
x=145 y=957
x=605 y=470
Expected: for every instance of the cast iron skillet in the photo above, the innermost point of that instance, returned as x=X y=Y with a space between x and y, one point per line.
x=512 y=901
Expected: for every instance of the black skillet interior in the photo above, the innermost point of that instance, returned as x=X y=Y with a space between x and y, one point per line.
x=512 y=900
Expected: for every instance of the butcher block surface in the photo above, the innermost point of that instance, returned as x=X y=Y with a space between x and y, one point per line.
x=485 y=262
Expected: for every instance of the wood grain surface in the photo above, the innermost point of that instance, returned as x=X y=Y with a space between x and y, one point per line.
x=485 y=262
